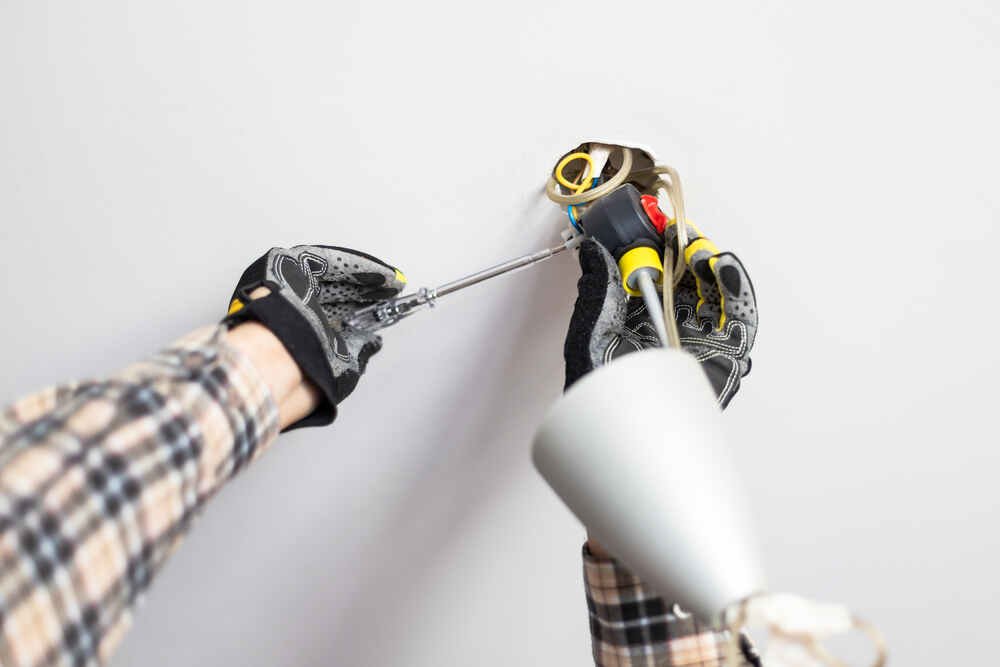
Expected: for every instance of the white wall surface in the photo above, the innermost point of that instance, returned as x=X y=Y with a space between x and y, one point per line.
x=847 y=151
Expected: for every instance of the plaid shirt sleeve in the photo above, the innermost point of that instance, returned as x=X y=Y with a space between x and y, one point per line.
x=99 y=482
x=632 y=627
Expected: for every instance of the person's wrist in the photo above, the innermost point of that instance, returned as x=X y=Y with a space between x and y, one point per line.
x=294 y=395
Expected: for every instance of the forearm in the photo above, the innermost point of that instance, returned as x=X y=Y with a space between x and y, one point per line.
x=33 y=407
x=99 y=481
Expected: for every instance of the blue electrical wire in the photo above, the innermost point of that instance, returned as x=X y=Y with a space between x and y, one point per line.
x=572 y=219
x=571 y=210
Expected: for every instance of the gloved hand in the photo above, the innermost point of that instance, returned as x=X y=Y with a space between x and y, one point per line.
x=313 y=288
x=715 y=309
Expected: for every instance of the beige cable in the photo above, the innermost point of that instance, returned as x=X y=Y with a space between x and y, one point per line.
x=675 y=194
x=553 y=192
x=673 y=266
x=808 y=641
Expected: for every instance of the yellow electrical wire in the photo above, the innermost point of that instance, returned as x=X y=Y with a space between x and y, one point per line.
x=576 y=188
x=575 y=199
x=585 y=177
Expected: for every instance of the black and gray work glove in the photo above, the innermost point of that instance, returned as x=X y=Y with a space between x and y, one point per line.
x=715 y=309
x=313 y=288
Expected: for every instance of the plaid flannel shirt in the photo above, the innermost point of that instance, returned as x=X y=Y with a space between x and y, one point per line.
x=98 y=483
x=631 y=626
x=100 y=480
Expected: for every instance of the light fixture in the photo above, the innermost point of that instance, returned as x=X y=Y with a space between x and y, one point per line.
x=635 y=449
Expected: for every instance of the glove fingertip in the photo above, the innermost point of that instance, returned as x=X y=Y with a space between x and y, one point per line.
x=371 y=347
x=739 y=297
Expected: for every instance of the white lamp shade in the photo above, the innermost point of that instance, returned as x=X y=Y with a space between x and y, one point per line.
x=636 y=451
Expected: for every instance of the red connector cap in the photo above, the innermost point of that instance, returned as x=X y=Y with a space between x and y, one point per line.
x=652 y=208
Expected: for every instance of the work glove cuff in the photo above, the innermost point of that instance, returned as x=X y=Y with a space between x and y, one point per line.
x=288 y=324
x=312 y=289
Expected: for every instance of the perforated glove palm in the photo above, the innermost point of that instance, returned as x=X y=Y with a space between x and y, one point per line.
x=715 y=309
x=313 y=288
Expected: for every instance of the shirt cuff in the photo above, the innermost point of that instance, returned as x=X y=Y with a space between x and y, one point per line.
x=631 y=625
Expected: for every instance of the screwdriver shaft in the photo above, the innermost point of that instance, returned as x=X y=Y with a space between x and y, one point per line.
x=653 y=306
x=388 y=312
x=498 y=270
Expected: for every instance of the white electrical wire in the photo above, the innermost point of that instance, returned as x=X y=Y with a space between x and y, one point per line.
x=798 y=627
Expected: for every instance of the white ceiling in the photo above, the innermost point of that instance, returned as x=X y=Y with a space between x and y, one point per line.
x=149 y=151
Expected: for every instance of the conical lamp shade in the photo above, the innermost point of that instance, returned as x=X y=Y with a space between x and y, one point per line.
x=636 y=451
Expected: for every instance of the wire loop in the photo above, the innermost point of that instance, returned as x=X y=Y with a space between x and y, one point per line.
x=584 y=178
x=808 y=641
x=553 y=193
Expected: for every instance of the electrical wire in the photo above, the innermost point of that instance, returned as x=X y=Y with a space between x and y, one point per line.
x=571 y=212
x=806 y=623
x=563 y=181
x=553 y=193
x=673 y=335
x=669 y=188
x=648 y=290
x=673 y=266
x=582 y=183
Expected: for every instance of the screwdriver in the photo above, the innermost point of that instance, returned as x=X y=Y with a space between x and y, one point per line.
x=627 y=225
x=388 y=312
x=630 y=226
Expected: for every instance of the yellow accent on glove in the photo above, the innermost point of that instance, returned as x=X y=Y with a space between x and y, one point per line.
x=235 y=307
